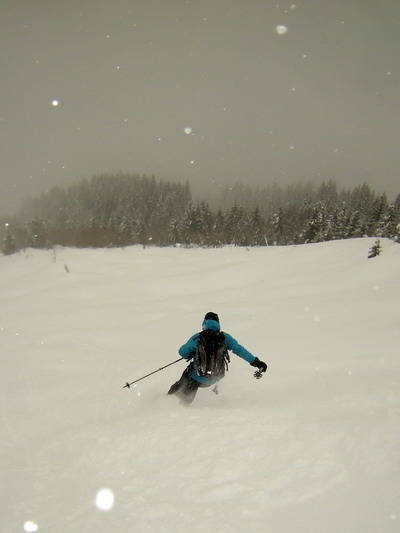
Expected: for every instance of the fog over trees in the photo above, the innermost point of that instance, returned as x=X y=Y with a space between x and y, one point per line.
x=123 y=210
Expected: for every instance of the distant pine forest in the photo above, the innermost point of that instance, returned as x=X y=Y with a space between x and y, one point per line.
x=123 y=210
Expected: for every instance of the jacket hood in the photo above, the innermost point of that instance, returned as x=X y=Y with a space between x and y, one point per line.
x=212 y=325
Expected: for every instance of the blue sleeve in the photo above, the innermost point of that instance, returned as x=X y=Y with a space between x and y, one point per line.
x=238 y=349
x=189 y=347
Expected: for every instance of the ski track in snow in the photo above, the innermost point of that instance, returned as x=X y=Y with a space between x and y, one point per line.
x=312 y=447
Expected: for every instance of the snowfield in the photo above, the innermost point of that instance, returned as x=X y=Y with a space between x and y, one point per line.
x=312 y=447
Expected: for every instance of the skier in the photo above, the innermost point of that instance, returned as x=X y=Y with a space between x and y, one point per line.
x=209 y=353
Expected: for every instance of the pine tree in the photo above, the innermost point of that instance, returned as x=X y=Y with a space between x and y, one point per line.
x=9 y=245
x=375 y=250
x=236 y=227
x=218 y=230
x=315 y=223
x=37 y=234
x=376 y=214
x=257 y=228
x=387 y=225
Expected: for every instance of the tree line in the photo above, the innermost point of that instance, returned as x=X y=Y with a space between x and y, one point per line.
x=123 y=210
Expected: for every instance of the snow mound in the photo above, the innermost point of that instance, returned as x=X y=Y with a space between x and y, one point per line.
x=312 y=447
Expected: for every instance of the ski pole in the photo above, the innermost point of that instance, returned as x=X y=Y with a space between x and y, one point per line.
x=147 y=375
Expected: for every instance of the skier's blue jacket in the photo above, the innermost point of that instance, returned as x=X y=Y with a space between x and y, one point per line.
x=187 y=350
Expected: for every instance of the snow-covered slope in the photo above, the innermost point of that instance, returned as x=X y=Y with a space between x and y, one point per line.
x=312 y=447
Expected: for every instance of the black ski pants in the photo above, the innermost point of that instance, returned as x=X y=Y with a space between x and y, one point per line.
x=186 y=388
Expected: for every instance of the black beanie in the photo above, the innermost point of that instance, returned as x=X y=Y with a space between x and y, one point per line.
x=212 y=316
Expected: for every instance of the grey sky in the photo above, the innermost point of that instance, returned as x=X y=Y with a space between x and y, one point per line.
x=318 y=100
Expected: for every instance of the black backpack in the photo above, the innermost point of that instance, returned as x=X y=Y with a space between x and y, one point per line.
x=211 y=358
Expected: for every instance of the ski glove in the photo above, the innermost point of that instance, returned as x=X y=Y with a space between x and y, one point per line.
x=259 y=364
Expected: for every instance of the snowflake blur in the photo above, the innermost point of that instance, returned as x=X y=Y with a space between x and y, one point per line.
x=29 y=527
x=281 y=29
x=105 y=499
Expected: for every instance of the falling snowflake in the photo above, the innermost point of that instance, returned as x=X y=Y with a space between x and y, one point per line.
x=30 y=526
x=105 y=499
x=281 y=29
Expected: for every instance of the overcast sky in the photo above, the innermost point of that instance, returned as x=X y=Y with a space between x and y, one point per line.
x=257 y=91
